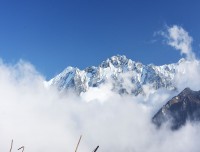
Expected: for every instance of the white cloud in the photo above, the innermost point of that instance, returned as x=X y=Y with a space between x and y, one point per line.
x=180 y=39
x=187 y=75
x=42 y=120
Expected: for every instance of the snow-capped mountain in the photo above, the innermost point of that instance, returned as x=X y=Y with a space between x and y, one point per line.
x=124 y=75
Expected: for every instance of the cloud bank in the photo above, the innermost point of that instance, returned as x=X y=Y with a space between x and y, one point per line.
x=43 y=120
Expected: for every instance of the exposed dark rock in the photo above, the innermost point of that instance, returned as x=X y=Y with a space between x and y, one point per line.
x=181 y=108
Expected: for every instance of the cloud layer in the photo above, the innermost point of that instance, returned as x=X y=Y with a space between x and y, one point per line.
x=43 y=120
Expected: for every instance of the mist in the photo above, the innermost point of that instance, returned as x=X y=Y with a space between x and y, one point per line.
x=43 y=119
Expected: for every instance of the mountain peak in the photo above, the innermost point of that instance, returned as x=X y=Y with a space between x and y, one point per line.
x=126 y=76
x=182 y=60
x=185 y=106
x=187 y=91
x=116 y=61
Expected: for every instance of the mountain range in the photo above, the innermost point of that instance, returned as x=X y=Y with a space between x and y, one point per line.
x=129 y=77
x=124 y=75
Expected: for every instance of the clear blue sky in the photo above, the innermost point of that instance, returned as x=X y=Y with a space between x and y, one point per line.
x=53 y=34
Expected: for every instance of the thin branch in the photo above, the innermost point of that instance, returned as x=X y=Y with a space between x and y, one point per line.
x=11 y=145
x=96 y=149
x=78 y=143
x=21 y=148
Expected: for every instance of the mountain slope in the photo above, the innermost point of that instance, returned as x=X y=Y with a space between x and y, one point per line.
x=185 y=106
x=124 y=75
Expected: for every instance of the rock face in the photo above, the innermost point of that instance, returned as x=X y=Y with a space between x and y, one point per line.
x=181 y=108
x=126 y=76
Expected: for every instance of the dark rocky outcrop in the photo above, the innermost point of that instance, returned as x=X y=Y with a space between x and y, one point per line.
x=181 y=108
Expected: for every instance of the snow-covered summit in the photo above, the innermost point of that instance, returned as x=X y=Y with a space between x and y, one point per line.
x=125 y=76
